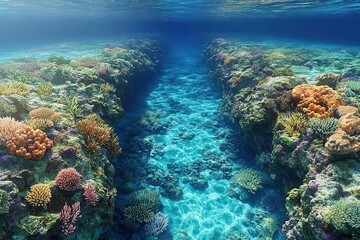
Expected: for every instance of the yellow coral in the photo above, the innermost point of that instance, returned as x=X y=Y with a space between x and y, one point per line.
x=316 y=101
x=39 y=195
x=44 y=89
x=17 y=88
x=98 y=133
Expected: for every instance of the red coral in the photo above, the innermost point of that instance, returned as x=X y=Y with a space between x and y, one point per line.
x=68 y=179
x=90 y=195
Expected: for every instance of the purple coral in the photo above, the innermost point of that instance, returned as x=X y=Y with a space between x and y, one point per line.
x=91 y=198
x=68 y=179
x=158 y=225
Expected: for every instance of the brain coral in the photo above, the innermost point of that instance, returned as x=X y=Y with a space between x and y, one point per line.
x=29 y=143
x=316 y=101
x=39 y=195
x=68 y=179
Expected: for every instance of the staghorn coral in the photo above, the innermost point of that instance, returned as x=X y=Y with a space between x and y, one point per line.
x=316 y=101
x=68 y=179
x=323 y=128
x=8 y=127
x=291 y=123
x=69 y=215
x=249 y=179
x=29 y=143
x=158 y=225
x=39 y=123
x=139 y=213
x=97 y=134
x=44 y=89
x=14 y=88
x=39 y=195
x=342 y=143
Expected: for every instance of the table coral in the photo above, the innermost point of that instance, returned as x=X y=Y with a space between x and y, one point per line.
x=29 y=143
x=316 y=101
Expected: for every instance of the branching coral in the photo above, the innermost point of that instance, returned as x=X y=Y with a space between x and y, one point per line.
x=291 y=123
x=98 y=134
x=148 y=197
x=69 y=215
x=68 y=179
x=44 y=89
x=323 y=128
x=316 y=101
x=90 y=195
x=29 y=143
x=39 y=195
x=249 y=179
x=14 y=88
x=345 y=214
x=139 y=213
x=8 y=127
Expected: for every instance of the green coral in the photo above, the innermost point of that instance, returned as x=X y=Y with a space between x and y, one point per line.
x=35 y=225
x=73 y=105
x=59 y=60
x=139 y=213
x=249 y=179
x=268 y=228
x=291 y=123
x=17 y=88
x=323 y=128
x=44 y=89
x=6 y=107
x=353 y=86
x=148 y=197
x=345 y=213
x=4 y=202
x=282 y=72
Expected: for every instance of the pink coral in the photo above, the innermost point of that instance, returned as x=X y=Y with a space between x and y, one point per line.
x=69 y=216
x=68 y=179
x=91 y=198
x=8 y=127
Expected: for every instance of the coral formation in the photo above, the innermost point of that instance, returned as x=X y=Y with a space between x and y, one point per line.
x=291 y=123
x=323 y=128
x=69 y=215
x=8 y=129
x=98 y=134
x=39 y=195
x=29 y=143
x=17 y=88
x=316 y=101
x=249 y=179
x=68 y=179
x=90 y=195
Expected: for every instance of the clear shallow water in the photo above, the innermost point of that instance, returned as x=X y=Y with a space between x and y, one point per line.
x=186 y=103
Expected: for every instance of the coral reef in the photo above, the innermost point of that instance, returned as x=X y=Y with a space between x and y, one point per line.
x=314 y=161
x=41 y=103
x=249 y=179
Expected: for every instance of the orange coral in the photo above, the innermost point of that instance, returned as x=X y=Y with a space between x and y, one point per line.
x=98 y=134
x=29 y=143
x=316 y=101
x=45 y=113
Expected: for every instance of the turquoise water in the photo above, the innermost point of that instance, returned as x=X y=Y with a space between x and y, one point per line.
x=192 y=143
